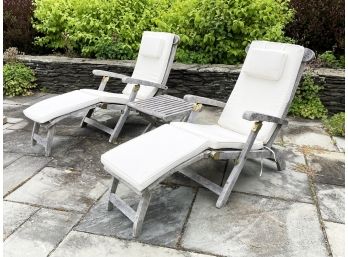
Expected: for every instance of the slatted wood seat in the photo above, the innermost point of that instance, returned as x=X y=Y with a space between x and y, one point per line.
x=163 y=107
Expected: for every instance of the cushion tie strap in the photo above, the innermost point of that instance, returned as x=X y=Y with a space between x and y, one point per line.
x=261 y=157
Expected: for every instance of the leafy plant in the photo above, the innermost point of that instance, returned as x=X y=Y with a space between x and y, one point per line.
x=328 y=59
x=101 y=28
x=18 y=78
x=217 y=31
x=335 y=124
x=307 y=103
x=212 y=31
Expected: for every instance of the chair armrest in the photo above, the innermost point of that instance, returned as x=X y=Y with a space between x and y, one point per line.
x=203 y=100
x=255 y=116
x=143 y=82
x=108 y=74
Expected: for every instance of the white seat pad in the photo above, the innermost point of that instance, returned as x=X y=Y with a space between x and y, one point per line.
x=56 y=106
x=217 y=136
x=107 y=97
x=144 y=159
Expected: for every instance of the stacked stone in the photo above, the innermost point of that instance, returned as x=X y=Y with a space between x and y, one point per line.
x=62 y=74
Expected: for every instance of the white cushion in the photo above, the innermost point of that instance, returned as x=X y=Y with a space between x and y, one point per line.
x=144 y=159
x=217 y=136
x=152 y=62
x=264 y=63
x=261 y=95
x=151 y=47
x=107 y=97
x=56 y=106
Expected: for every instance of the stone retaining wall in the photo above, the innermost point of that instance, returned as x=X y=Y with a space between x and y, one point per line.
x=62 y=74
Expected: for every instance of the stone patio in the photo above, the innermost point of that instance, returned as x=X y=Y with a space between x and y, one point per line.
x=56 y=206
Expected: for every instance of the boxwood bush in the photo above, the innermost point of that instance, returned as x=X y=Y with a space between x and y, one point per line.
x=212 y=31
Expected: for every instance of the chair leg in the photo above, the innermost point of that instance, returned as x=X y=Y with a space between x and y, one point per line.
x=227 y=189
x=88 y=115
x=232 y=179
x=119 y=125
x=148 y=128
x=49 y=140
x=141 y=212
x=112 y=191
x=36 y=128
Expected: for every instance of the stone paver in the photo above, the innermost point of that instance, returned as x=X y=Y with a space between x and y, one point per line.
x=272 y=215
x=19 y=141
x=281 y=184
x=308 y=135
x=28 y=100
x=340 y=143
x=254 y=226
x=14 y=111
x=163 y=223
x=21 y=170
x=292 y=157
x=83 y=155
x=23 y=125
x=331 y=202
x=8 y=158
x=14 y=215
x=78 y=244
x=328 y=167
x=63 y=189
x=40 y=234
x=335 y=234
x=208 y=168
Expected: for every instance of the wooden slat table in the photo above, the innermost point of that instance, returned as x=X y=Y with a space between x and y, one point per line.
x=162 y=109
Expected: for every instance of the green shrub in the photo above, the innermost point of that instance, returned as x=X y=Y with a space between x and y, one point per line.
x=18 y=79
x=217 y=31
x=335 y=124
x=101 y=28
x=307 y=103
x=212 y=31
x=328 y=59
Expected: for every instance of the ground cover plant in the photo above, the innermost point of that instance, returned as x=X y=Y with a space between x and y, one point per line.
x=18 y=78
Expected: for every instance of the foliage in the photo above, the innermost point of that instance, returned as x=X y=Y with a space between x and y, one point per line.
x=328 y=59
x=335 y=124
x=18 y=30
x=318 y=24
x=211 y=31
x=18 y=78
x=307 y=103
x=102 y=28
x=217 y=31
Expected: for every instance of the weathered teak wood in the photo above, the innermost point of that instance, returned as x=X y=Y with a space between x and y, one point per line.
x=162 y=109
x=240 y=156
x=141 y=212
x=126 y=79
x=87 y=119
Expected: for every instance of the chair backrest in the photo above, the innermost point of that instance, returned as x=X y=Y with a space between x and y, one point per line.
x=154 y=62
x=266 y=84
